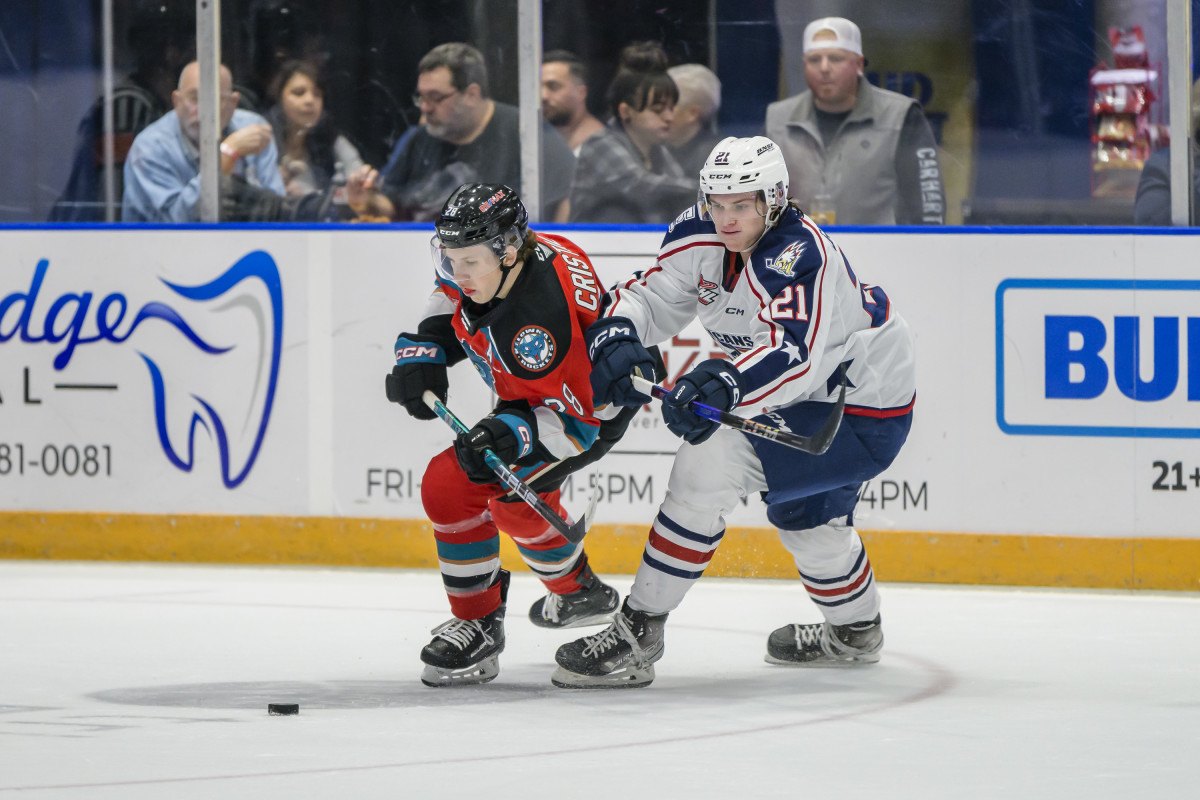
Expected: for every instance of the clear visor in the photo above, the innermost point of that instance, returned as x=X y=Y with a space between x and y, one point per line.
x=733 y=207
x=460 y=264
x=702 y=199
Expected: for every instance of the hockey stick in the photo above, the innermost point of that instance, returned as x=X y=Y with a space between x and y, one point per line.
x=573 y=533
x=816 y=444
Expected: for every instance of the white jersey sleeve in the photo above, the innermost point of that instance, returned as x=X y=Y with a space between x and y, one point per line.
x=662 y=300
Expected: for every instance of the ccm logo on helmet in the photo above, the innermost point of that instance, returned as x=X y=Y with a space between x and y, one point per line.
x=721 y=177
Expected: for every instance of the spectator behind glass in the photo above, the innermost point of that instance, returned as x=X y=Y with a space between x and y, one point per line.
x=625 y=172
x=693 y=128
x=464 y=137
x=564 y=98
x=856 y=154
x=162 y=37
x=1153 y=203
x=313 y=156
x=162 y=174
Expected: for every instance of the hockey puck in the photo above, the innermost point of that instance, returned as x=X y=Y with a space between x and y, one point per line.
x=283 y=709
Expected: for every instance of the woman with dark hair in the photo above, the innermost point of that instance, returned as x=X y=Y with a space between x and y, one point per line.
x=625 y=172
x=313 y=156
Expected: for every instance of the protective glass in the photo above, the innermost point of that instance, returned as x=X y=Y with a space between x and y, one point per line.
x=463 y=263
x=999 y=140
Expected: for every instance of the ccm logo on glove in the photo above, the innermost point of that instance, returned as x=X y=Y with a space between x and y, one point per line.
x=432 y=354
x=605 y=334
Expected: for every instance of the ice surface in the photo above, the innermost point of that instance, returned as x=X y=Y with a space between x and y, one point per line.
x=150 y=681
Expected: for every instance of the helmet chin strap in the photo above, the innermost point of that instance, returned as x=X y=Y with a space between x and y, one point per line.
x=504 y=273
x=768 y=222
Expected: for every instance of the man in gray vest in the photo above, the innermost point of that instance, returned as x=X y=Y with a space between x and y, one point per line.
x=856 y=154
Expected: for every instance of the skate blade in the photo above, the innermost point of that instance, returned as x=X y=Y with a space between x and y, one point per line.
x=439 y=677
x=629 y=678
x=596 y=619
x=826 y=662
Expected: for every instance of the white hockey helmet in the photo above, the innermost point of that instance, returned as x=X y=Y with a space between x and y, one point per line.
x=754 y=164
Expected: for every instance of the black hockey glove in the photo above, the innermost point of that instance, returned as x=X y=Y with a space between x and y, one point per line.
x=420 y=366
x=509 y=435
x=616 y=351
x=716 y=383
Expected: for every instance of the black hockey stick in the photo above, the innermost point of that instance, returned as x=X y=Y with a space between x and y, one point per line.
x=573 y=533
x=816 y=444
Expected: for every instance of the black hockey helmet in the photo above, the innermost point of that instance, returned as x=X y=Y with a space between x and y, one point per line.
x=483 y=213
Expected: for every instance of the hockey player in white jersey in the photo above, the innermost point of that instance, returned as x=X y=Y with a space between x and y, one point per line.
x=780 y=297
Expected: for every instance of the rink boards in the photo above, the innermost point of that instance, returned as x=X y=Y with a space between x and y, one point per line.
x=216 y=395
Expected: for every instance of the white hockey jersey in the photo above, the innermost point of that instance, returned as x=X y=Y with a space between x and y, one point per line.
x=788 y=319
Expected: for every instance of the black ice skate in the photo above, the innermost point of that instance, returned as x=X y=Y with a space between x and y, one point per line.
x=825 y=645
x=620 y=656
x=466 y=651
x=592 y=604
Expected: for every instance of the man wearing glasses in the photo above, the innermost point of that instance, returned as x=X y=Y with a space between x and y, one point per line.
x=162 y=172
x=465 y=137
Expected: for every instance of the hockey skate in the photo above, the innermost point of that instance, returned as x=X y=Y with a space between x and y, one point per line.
x=466 y=651
x=620 y=656
x=825 y=645
x=592 y=604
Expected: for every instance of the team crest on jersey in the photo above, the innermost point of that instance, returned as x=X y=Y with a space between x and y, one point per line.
x=785 y=262
x=533 y=348
x=708 y=292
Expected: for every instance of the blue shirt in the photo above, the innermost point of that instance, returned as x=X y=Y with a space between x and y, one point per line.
x=162 y=172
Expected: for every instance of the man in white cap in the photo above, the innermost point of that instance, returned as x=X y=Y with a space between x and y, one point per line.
x=856 y=154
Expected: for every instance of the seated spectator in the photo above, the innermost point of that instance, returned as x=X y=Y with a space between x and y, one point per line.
x=162 y=174
x=313 y=156
x=625 y=172
x=693 y=128
x=464 y=137
x=1153 y=203
x=869 y=151
x=162 y=38
x=564 y=98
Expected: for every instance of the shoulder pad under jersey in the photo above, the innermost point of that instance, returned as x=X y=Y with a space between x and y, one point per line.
x=689 y=223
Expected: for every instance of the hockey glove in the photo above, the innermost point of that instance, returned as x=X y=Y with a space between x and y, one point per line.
x=509 y=435
x=716 y=383
x=420 y=365
x=616 y=351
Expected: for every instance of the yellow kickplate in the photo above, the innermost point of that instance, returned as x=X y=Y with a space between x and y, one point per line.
x=900 y=556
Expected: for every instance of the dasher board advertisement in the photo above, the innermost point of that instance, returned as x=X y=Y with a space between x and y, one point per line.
x=240 y=370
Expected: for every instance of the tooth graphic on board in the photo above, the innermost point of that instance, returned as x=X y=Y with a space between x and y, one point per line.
x=238 y=436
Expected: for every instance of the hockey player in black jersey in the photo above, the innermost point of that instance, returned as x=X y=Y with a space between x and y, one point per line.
x=515 y=303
